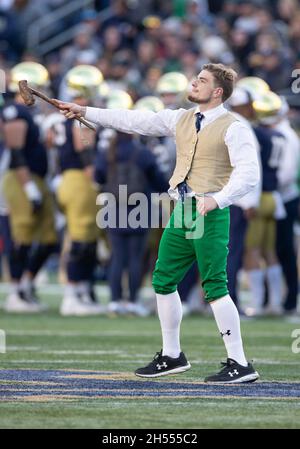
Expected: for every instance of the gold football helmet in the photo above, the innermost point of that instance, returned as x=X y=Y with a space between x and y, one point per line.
x=172 y=88
x=36 y=75
x=103 y=90
x=267 y=107
x=149 y=103
x=83 y=81
x=254 y=85
x=172 y=83
x=118 y=99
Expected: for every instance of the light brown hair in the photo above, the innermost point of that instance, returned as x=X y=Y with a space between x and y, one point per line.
x=224 y=77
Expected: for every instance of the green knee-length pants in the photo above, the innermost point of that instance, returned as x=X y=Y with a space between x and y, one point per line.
x=177 y=252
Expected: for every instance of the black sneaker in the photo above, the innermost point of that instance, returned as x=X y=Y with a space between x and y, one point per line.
x=162 y=365
x=232 y=373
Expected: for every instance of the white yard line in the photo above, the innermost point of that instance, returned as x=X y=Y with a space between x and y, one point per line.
x=43 y=332
x=62 y=351
x=66 y=361
x=57 y=289
x=110 y=333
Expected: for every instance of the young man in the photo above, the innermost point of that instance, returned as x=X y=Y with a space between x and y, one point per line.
x=29 y=202
x=216 y=160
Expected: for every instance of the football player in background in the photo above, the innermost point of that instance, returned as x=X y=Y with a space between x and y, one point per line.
x=261 y=235
x=243 y=210
x=5 y=234
x=289 y=190
x=76 y=194
x=124 y=160
x=28 y=198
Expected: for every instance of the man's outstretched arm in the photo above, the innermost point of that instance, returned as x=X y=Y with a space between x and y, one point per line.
x=147 y=123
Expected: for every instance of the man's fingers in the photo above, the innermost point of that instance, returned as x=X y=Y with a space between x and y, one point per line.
x=67 y=114
x=62 y=105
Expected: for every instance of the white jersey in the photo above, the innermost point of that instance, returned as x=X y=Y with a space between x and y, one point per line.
x=4 y=164
x=289 y=162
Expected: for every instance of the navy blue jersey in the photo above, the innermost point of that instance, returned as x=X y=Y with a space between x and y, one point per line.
x=67 y=155
x=271 y=147
x=34 y=151
x=128 y=148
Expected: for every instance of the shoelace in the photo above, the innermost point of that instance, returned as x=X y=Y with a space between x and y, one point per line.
x=157 y=356
x=225 y=365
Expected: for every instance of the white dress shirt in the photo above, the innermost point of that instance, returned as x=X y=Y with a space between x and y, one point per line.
x=252 y=199
x=238 y=139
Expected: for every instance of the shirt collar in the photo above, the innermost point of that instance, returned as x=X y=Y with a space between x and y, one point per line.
x=212 y=113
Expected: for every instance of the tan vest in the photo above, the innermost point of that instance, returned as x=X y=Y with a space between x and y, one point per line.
x=202 y=158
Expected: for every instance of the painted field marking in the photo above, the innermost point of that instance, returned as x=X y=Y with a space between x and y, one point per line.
x=42 y=385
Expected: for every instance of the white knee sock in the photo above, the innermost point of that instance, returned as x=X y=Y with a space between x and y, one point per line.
x=228 y=322
x=257 y=288
x=71 y=290
x=274 y=280
x=169 y=310
x=26 y=284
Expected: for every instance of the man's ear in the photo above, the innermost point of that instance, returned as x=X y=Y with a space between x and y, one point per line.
x=218 y=92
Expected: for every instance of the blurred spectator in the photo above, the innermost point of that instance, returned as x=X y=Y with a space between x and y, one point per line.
x=294 y=33
x=55 y=74
x=270 y=62
x=197 y=12
x=286 y=9
x=146 y=54
x=119 y=18
x=6 y=4
x=150 y=81
x=27 y=11
x=215 y=49
x=112 y=42
x=85 y=49
x=10 y=43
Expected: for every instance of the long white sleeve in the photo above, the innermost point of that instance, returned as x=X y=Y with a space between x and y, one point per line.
x=147 y=123
x=243 y=157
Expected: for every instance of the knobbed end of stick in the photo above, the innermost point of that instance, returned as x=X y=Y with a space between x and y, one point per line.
x=26 y=93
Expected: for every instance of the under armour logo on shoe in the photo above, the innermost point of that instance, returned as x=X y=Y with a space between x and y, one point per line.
x=235 y=372
x=159 y=367
x=226 y=333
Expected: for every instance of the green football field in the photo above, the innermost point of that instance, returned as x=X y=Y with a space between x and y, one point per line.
x=77 y=373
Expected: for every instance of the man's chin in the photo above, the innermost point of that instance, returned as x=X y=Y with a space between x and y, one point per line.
x=193 y=99
x=198 y=100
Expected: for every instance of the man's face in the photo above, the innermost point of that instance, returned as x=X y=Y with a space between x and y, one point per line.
x=203 y=88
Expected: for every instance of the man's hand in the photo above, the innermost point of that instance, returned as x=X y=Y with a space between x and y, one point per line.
x=34 y=195
x=71 y=110
x=206 y=204
x=250 y=213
